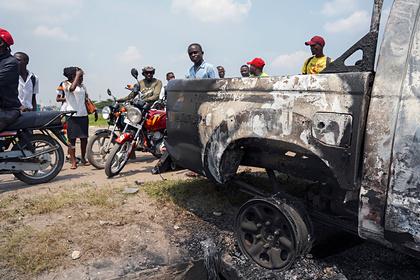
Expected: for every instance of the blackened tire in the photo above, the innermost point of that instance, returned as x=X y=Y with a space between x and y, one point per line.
x=53 y=161
x=273 y=232
x=96 y=152
x=117 y=158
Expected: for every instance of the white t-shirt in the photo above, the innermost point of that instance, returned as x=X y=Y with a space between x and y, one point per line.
x=75 y=101
x=26 y=90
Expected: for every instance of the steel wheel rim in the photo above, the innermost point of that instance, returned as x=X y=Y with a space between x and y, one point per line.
x=265 y=235
x=120 y=157
x=47 y=160
x=100 y=153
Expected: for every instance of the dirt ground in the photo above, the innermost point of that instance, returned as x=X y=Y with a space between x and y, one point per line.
x=85 y=226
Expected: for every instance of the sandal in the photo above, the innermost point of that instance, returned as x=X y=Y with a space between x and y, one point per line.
x=73 y=167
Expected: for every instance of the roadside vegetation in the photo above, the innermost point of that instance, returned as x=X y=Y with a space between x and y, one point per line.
x=38 y=233
x=100 y=122
x=30 y=243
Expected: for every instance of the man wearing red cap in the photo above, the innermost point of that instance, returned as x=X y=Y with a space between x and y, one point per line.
x=318 y=61
x=256 y=67
x=9 y=80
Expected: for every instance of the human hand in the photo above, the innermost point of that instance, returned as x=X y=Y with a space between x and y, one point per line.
x=79 y=72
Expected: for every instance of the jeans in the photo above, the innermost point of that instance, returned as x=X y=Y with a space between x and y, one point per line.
x=7 y=117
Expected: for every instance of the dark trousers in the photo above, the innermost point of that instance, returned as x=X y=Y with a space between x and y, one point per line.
x=7 y=117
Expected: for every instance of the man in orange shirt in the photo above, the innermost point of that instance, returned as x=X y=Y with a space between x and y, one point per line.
x=318 y=61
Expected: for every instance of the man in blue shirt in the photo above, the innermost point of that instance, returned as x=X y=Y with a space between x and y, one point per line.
x=200 y=69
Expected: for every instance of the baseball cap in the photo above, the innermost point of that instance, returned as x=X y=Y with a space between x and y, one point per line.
x=257 y=62
x=6 y=37
x=316 y=40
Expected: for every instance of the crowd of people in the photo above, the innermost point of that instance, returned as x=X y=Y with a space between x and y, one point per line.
x=19 y=87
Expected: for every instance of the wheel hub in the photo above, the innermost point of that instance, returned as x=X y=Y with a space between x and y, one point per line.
x=269 y=234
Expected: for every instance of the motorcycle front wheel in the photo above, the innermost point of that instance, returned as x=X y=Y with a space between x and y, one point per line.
x=96 y=150
x=117 y=158
x=51 y=162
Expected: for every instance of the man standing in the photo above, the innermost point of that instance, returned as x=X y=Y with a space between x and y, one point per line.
x=244 y=71
x=163 y=93
x=256 y=67
x=28 y=83
x=200 y=69
x=318 y=61
x=221 y=71
x=150 y=87
x=170 y=76
x=9 y=79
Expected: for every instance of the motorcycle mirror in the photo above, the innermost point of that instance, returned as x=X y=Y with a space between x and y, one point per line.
x=108 y=91
x=134 y=73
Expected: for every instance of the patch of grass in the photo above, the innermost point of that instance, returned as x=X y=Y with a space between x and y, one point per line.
x=85 y=195
x=7 y=200
x=32 y=251
x=197 y=193
x=100 y=122
x=5 y=203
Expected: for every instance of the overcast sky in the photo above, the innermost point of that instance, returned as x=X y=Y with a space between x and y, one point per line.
x=107 y=38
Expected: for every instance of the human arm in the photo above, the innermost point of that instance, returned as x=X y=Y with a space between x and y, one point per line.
x=34 y=105
x=60 y=98
x=304 y=70
x=211 y=73
x=131 y=96
x=34 y=93
x=77 y=80
x=9 y=72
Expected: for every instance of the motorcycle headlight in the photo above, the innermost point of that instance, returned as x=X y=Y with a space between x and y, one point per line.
x=106 y=111
x=134 y=115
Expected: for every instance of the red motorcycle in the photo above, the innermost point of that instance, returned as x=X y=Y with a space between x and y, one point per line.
x=145 y=130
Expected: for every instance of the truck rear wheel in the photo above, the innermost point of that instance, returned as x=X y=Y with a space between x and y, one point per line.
x=272 y=232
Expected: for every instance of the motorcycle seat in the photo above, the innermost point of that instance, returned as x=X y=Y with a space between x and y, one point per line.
x=34 y=120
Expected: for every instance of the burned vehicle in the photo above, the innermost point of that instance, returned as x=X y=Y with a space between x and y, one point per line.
x=353 y=129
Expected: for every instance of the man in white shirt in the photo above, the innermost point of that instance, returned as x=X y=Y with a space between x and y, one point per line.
x=28 y=84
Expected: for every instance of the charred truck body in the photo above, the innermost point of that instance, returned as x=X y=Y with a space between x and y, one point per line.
x=354 y=130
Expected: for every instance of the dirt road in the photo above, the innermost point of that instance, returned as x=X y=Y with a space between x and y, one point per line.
x=138 y=169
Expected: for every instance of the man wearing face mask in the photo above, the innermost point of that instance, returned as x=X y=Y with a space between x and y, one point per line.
x=318 y=61
x=150 y=87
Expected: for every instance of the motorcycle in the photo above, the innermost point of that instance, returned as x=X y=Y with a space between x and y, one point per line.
x=145 y=130
x=33 y=158
x=100 y=144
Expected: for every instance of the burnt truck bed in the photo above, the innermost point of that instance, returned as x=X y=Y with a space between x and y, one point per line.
x=356 y=130
x=291 y=123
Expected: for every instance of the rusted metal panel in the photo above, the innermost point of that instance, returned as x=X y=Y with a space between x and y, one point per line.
x=394 y=112
x=207 y=118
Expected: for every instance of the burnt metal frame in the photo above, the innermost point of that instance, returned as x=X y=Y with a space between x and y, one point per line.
x=368 y=45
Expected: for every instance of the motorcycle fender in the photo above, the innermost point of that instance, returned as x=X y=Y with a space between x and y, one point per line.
x=124 y=138
x=99 y=131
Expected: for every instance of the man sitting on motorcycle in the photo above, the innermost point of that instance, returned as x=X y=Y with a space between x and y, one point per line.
x=9 y=80
x=150 y=87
